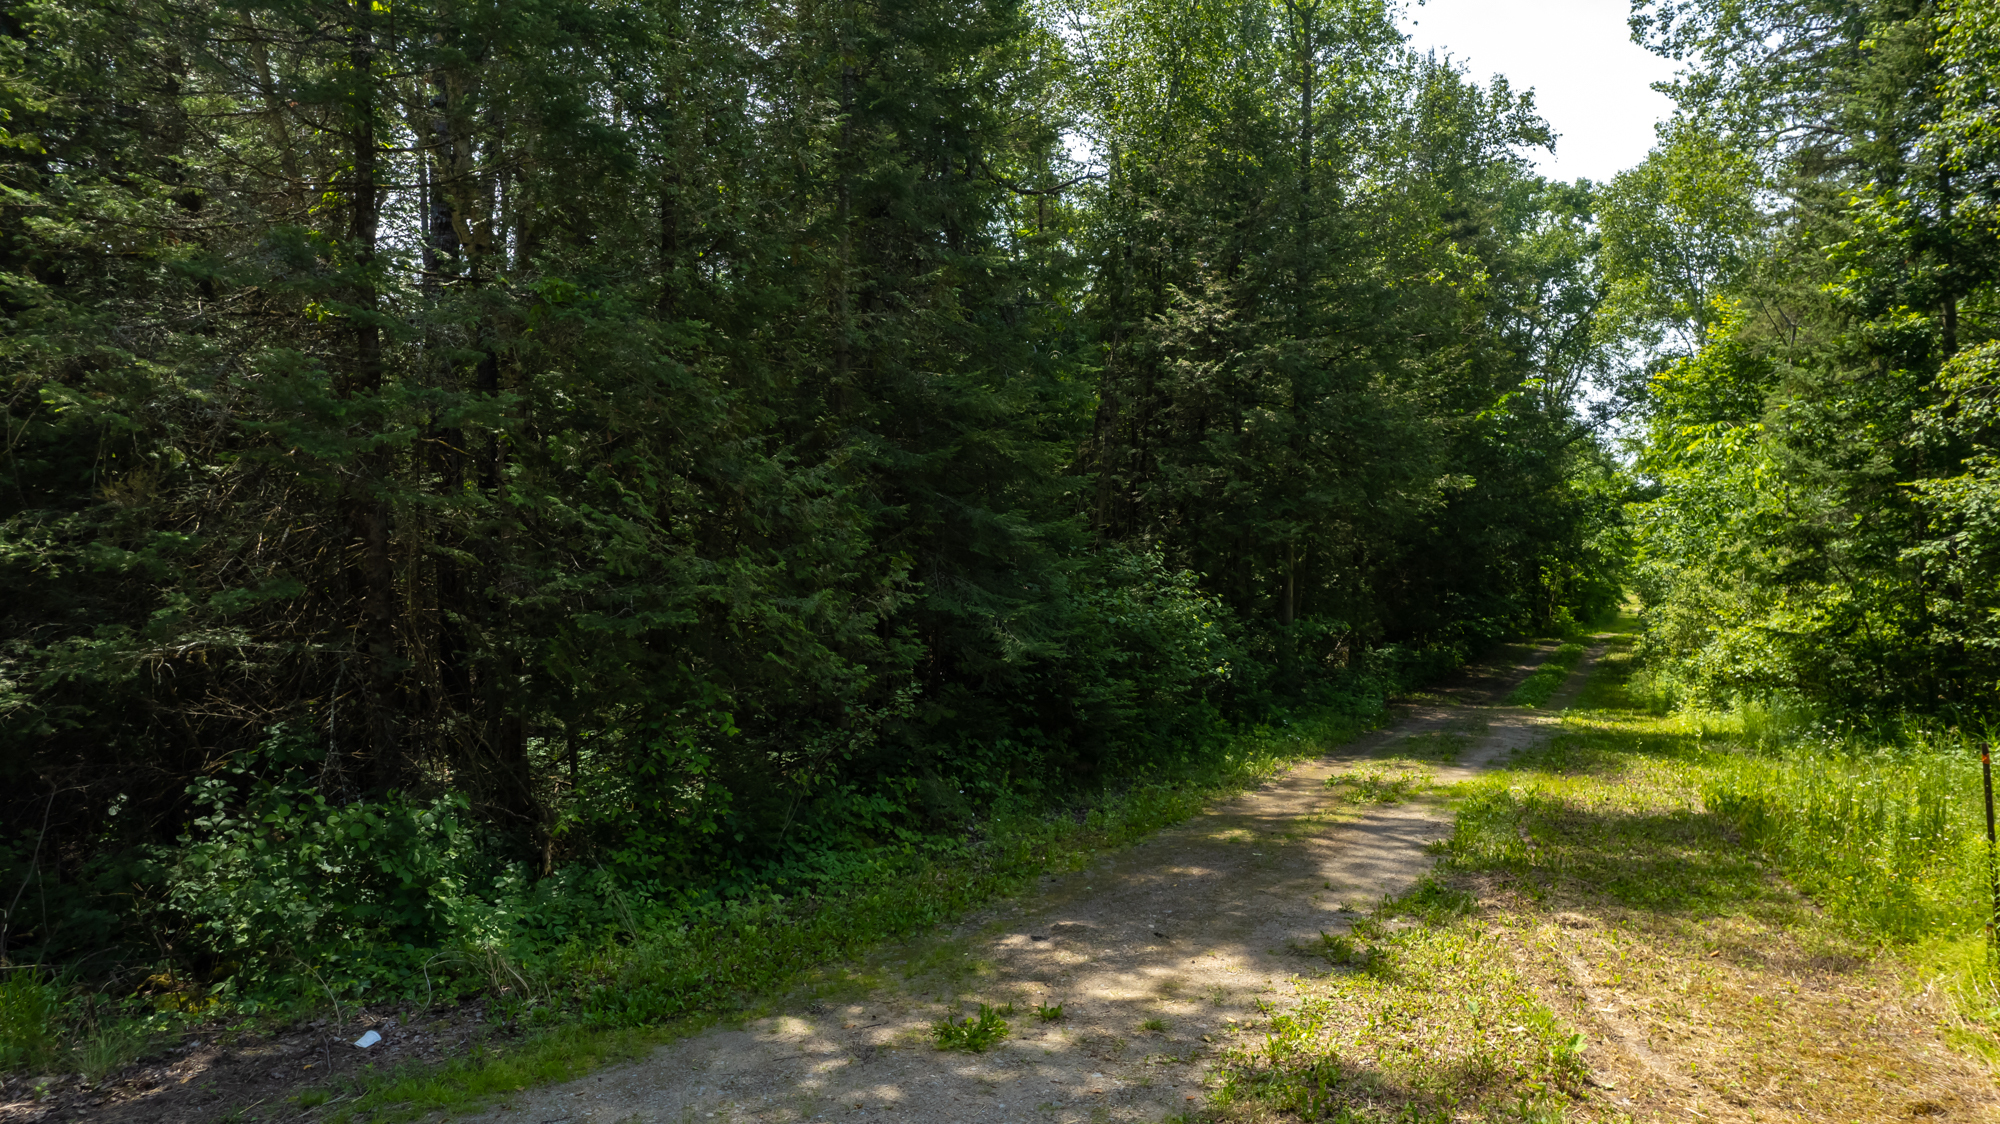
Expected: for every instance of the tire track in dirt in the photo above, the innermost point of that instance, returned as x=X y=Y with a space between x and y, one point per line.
x=1156 y=953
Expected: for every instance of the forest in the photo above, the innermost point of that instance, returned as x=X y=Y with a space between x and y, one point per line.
x=491 y=478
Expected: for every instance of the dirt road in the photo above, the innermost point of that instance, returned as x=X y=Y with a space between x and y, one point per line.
x=1156 y=954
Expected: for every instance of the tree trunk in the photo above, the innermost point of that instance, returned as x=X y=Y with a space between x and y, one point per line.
x=371 y=575
x=1291 y=584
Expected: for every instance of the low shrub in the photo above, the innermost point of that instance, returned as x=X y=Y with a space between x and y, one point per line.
x=28 y=1010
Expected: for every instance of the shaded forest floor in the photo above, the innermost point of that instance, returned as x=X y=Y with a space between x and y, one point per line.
x=1480 y=912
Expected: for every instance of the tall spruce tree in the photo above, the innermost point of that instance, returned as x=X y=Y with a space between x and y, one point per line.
x=472 y=451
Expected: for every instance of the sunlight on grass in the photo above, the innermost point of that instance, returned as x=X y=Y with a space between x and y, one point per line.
x=1429 y=1025
x=1538 y=687
x=1381 y=784
x=1700 y=866
x=1649 y=915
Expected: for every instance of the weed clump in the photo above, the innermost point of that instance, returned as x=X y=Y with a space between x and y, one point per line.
x=975 y=1034
x=1380 y=786
x=1346 y=952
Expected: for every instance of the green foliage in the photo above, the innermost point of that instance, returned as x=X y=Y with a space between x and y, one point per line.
x=1048 y=1013
x=975 y=1033
x=1678 y=230
x=28 y=1030
x=1814 y=229
x=281 y=872
x=1266 y=266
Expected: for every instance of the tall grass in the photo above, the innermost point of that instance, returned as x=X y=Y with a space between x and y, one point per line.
x=1883 y=825
x=1883 y=828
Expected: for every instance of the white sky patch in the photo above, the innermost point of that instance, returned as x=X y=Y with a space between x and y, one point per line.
x=1591 y=82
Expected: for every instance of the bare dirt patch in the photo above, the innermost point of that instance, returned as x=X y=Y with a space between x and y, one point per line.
x=220 y=1070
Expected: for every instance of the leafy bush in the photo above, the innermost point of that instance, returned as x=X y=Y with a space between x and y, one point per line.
x=266 y=880
x=28 y=1009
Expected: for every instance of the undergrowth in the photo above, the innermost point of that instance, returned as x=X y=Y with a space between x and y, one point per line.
x=581 y=945
x=666 y=971
x=721 y=962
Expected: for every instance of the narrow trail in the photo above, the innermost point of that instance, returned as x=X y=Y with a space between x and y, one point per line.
x=1154 y=952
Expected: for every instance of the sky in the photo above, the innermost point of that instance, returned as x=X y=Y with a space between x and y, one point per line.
x=1591 y=82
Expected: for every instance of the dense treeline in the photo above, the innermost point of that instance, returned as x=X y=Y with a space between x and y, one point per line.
x=467 y=452
x=1812 y=254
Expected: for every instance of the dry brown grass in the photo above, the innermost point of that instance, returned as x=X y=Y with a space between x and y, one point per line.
x=1734 y=1018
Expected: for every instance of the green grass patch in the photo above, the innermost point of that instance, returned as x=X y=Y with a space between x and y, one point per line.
x=491 y=1072
x=1430 y=1025
x=1885 y=834
x=1381 y=784
x=1538 y=687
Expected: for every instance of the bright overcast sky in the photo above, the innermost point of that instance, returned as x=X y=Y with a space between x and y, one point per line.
x=1591 y=81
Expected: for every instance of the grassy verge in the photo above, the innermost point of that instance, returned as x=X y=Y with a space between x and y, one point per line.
x=1735 y=917
x=614 y=1001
